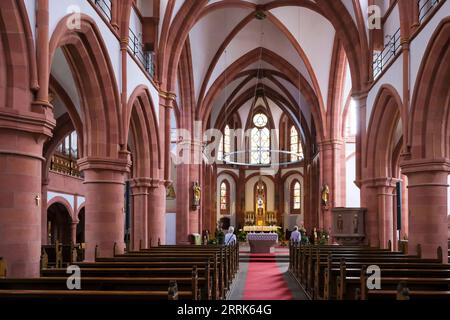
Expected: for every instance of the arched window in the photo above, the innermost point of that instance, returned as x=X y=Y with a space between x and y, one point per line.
x=260 y=140
x=225 y=144
x=296 y=203
x=69 y=146
x=295 y=145
x=225 y=198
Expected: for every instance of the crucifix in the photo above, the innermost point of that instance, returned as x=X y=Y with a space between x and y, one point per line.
x=38 y=200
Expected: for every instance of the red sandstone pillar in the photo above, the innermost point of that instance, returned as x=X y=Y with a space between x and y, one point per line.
x=105 y=215
x=20 y=201
x=427 y=197
x=385 y=210
x=139 y=193
x=330 y=152
x=44 y=233
x=157 y=213
x=183 y=203
x=73 y=231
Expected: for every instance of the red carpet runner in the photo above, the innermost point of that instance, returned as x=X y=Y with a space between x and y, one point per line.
x=265 y=280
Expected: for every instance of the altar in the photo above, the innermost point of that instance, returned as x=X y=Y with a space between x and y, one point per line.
x=262 y=242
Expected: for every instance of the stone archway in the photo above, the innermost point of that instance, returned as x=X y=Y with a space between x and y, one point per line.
x=427 y=163
x=379 y=183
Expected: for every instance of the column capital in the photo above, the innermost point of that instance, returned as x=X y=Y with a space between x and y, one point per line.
x=425 y=165
x=380 y=182
x=167 y=95
x=39 y=123
x=100 y=163
x=330 y=144
x=360 y=95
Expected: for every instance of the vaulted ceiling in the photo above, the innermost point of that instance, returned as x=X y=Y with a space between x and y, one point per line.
x=283 y=46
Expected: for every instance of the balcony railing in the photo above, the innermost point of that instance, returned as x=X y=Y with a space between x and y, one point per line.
x=65 y=165
x=382 y=59
x=426 y=7
x=105 y=7
x=145 y=58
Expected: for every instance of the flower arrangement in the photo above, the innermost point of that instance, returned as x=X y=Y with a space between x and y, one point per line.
x=322 y=237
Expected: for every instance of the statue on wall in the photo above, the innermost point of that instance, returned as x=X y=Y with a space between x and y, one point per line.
x=340 y=223
x=325 y=195
x=196 y=194
x=170 y=195
x=355 y=223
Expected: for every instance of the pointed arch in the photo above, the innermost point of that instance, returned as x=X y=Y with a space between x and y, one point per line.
x=141 y=124
x=382 y=125
x=430 y=113
x=89 y=61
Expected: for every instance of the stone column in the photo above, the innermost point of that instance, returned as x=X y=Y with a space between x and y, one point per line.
x=44 y=231
x=156 y=213
x=105 y=214
x=428 y=203
x=139 y=194
x=73 y=230
x=20 y=198
x=330 y=154
x=385 y=198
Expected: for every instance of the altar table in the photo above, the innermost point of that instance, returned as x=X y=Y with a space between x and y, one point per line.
x=261 y=242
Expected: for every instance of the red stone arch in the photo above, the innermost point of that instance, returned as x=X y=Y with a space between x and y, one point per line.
x=18 y=73
x=383 y=122
x=142 y=126
x=379 y=184
x=283 y=66
x=430 y=113
x=88 y=58
x=65 y=203
x=334 y=11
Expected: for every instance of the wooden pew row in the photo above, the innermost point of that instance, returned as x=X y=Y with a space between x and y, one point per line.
x=319 y=281
x=323 y=281
x=206 y=284
x=156 y=284
x=186 y=260
x=352 y=283
x=310 y=273
x=88 y=296
x=226 y=258
x=403 y=292
x=231 y=254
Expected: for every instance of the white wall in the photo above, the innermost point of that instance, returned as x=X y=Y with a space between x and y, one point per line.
x=353 y=197
x=292 y=220
x=171 y=228
x=420 y=43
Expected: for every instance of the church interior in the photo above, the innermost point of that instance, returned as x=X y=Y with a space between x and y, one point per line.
x=186 y=149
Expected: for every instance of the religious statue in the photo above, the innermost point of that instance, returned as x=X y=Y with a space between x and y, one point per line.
x=325 y=195
x=340 y=223
x=171 y=192
x=355 y=223
x=196 y=194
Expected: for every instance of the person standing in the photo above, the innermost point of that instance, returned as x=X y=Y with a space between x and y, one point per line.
x=296 y=236
x=230 y=237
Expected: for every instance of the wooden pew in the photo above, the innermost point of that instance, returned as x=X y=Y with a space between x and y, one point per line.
x=205 y=261
x=157 y=284
x=346 y=284
x=403 y=292
x=204 y=283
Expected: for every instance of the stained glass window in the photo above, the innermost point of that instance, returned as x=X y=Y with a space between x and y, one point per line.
x=260 y=140
x=224 y=197
x=225 y=145
x=295 y=145
x=296 y=196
